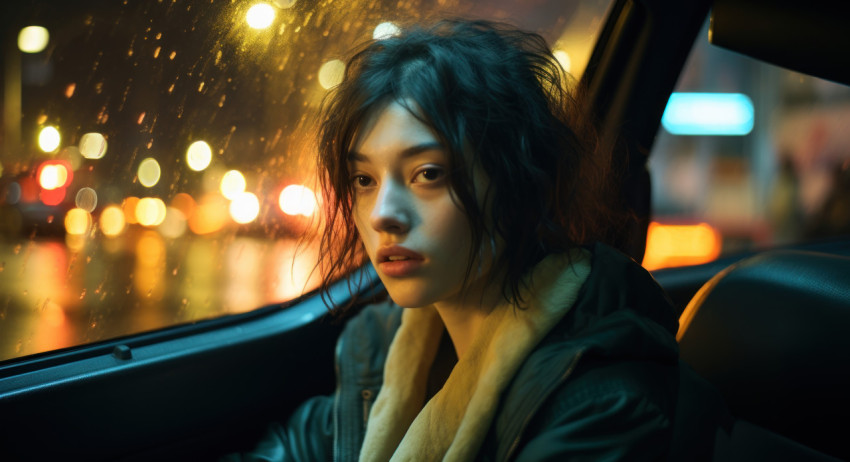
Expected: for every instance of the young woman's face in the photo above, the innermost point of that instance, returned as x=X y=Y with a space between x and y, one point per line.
x=415 y=234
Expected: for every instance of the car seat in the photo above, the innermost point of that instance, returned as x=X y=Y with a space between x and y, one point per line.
x=771 y=333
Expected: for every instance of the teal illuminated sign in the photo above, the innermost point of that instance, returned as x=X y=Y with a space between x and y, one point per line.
x=708 y=114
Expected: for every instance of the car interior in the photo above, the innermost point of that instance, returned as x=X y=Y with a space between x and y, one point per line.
x=764 y=330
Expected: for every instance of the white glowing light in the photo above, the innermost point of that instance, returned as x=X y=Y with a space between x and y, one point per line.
x=298 y=200
x=92 y=146
x=199 y=155
x=149 y=172
x=53 y=176
x=385 y=30
x=260 y=16
x=86 y=199
x=331 y=73
x=150 y=211
x=33 y=39
x=49 y=139
x=563 y=59
x=232 y=183
x=244 y=207
x=708 y=114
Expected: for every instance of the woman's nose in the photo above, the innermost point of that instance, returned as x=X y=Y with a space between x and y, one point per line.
x=392 y=212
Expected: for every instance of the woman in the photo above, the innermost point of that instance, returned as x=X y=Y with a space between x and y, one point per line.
x=456 y=161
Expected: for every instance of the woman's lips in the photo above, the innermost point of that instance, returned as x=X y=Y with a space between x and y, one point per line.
x=397 y=261
x=400 y=268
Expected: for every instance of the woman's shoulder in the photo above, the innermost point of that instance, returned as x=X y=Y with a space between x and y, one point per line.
x=366 y=338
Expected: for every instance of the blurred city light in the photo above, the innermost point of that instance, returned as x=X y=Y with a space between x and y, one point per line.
x=244 y=207
x=708 y=114
x=86 y=199
x=52 y=176
x=49 y=139
x=174 y=224
x=33 y=39
x=232 y=183
x=92 y=146
x=680 y=245
x=210 y=215
x=385 y=30
x=184 y=203
x=112 y=221
x=13 y=193
x=199 y=155
x=331 y=73
x=52 y=196
x=78 y=222
x=297 y=200
x=129 y=207
x=150 y=211
x=260 y=16
x=149 y=172
x=563 y=59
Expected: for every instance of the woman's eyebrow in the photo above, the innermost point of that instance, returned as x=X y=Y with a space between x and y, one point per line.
x=354 y=156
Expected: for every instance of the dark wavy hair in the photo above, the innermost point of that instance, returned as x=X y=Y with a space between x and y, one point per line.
x=497 y=99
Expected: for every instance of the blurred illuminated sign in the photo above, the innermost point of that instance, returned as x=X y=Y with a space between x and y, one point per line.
x=708 y=114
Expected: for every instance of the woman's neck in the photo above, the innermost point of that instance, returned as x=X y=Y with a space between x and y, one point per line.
x=464 y=314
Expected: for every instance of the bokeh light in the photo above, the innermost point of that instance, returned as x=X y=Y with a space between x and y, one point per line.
x=92 y=146
x=49 y=139
x=232 y=183
x=13 y=193
x=52 y=196
x=33 y=39
x=199 y=155
x=297 y=200
x=78 y=222
x=678 y=245
x=563 y=59
x=385 y=30
x=244 y=207
x=284 y=4
x=149 y=172
x=86 y=199
x=150 y=211
x=331 y=73
x=184 y=203
x=129 y=207
x=210 y=214
x=260 y=16
x=150 y=252
x=52 y=176
x=174 y=224
x=112 y=221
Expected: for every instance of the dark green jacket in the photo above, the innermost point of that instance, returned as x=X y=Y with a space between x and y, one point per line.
x=601 y=386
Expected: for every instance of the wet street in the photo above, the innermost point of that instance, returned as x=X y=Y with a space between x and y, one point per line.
x=60 y=292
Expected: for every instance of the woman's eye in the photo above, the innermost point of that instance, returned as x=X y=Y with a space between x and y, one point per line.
x=362 y=181
x=428 y=175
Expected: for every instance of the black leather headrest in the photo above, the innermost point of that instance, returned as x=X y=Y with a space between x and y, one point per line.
x=772 y=333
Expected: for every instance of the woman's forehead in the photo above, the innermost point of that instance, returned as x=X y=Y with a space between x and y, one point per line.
x=395 y=127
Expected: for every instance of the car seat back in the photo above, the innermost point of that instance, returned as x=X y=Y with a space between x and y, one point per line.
x=772 y=334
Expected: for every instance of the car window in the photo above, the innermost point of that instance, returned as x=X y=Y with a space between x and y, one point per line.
x=749 y=156
x=157 y=160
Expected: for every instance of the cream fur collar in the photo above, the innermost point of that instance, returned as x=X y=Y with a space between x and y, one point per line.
x=453 y=424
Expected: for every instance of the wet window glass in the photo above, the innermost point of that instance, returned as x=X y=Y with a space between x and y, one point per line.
x=157 y=161
x=749 y=156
